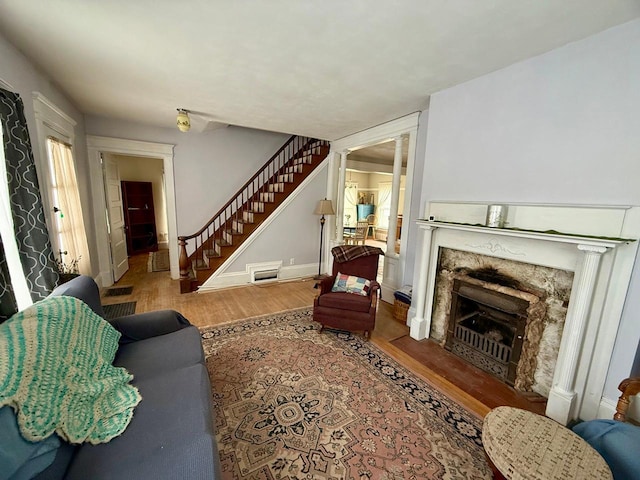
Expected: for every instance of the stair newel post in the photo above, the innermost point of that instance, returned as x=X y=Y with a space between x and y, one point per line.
x=184 y=258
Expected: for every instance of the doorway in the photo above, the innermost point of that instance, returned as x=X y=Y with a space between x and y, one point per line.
x=345 y=154
x=144 y=180
x=367 y=193
x=132 y=151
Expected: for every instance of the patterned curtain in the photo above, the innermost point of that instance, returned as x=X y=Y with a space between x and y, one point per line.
x=8 y=305
x=27 y=211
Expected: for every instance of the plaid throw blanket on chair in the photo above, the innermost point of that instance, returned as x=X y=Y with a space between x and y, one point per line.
x=344 y=253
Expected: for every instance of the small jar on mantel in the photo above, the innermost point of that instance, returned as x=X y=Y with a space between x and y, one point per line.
x=496 y=216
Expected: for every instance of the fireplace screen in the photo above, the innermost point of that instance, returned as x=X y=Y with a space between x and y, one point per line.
x=486 y=328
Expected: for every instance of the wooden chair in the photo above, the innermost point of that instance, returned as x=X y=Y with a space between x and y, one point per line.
x=359 y=235
x=372 y=220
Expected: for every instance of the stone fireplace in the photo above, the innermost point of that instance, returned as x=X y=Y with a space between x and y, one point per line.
x=546 y=316
x=501 y=316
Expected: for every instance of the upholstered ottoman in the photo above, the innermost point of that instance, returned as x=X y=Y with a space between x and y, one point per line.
x=524 y=445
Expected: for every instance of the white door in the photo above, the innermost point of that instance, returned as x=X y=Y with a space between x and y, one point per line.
x=115 y=218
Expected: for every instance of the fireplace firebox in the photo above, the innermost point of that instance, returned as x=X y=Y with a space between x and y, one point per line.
x=487 y=328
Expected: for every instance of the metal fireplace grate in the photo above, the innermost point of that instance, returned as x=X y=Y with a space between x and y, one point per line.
x=487 y=328
x=483 y=352
x=496 y=350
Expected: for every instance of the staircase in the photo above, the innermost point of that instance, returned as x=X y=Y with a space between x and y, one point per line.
x=203 y=252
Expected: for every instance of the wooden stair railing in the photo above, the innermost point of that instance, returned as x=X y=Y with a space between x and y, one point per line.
x=247 y=209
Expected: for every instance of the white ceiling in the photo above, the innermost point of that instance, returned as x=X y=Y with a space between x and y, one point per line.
x=324 y=68
x=380 y=154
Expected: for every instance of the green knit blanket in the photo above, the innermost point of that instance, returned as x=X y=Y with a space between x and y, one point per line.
x=56 y=373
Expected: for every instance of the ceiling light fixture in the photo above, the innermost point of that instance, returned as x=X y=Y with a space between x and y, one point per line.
x=183 y=122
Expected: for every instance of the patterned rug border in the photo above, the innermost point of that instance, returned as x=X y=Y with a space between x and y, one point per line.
x=423 y=394
x=208 y=328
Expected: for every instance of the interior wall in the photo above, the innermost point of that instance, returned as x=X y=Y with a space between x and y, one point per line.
x=294 y=236
x=558 y=128
x=25 y=79
x=362 y=179
x=209 y=167
x=144 y=169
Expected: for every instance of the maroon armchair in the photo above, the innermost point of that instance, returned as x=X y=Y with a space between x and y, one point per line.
x=349 y=311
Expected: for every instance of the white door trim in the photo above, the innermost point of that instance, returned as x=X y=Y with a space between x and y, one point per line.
x=51 y=120
x=96 y=145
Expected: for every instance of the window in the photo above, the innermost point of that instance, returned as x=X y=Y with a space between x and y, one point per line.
x=70 y=242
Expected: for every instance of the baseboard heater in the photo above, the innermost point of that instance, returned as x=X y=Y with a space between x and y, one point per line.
x=265 y=275
x=264 y=272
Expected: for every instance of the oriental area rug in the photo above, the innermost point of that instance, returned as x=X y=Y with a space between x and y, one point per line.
x=293 y=403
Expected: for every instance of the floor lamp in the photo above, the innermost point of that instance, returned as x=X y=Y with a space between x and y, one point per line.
x=324 y=208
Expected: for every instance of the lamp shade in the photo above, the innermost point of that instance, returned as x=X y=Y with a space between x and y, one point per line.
x=324 y=207
x=183 y=122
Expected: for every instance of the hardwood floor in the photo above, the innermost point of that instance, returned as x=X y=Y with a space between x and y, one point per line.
x=474 y=389
x=156 y=290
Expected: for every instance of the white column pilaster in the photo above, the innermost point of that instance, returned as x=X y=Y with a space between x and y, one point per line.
x=562 y=396
x=340 y=197
x=332 y=185
x=420 y=326
x=395 y=197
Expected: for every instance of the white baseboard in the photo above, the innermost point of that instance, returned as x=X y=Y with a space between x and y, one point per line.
x=607 y=409
x=228 y=279
x=298 y=271
x=410 y=314
x=104 y=279
x=237 y=279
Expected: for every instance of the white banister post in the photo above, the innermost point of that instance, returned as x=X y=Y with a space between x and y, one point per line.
x=340 y=197
x=420 y=326
x=395 y=198
x=562 y=395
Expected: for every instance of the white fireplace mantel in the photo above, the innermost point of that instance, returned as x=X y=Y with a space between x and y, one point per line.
x=599 y=276
x=529 y=234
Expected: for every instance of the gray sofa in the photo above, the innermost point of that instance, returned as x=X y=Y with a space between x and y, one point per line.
x=171 y=435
